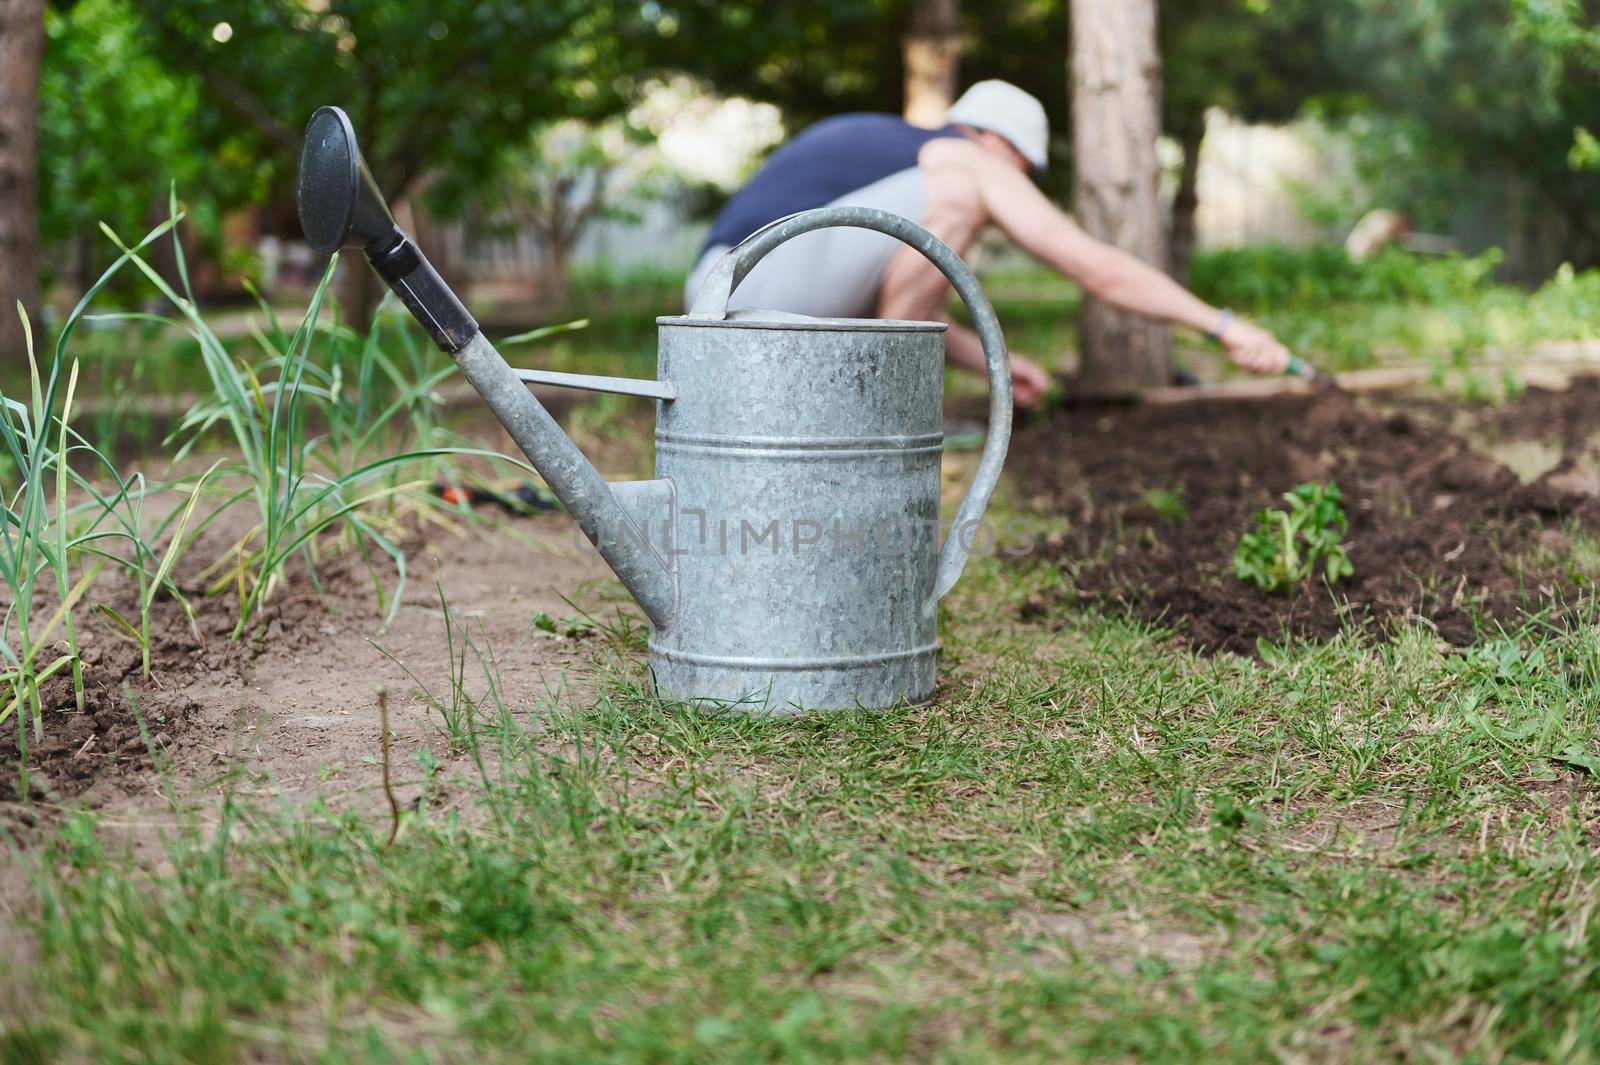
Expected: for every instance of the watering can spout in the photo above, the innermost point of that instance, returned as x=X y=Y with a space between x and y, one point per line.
x=340 y=206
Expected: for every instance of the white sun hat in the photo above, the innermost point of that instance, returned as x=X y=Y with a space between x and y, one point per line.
x=1001 y=107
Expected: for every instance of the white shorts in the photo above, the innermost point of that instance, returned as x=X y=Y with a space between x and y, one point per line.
x=828 y=273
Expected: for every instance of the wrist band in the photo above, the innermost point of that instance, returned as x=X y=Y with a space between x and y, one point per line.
x=1222 y=326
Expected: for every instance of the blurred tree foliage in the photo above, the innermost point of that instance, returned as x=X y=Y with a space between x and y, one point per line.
x=115 y=131
x=819 y=57
x=432 y=88
x=813 y=58
x=1460 y=110
x=1487 y=96
x=212 y=94
x=1260 y=59
x=432 y=85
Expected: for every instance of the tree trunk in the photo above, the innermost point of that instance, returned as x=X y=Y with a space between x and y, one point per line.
x=21 y=55
x=550 y=276
x=932 y=57
x=1116 y=118
x=357 y=289
x=1187 y=201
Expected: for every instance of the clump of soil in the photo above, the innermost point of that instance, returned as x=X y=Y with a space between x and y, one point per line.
x=1437 y=531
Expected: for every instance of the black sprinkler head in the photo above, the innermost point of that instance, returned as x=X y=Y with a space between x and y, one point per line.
x=340 y=205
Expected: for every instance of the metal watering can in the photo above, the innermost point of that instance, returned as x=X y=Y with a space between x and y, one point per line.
x=787 y=552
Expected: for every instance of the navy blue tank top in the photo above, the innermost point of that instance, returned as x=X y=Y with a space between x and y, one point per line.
x=820 y=164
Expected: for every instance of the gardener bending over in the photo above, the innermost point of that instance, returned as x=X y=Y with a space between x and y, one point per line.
x=954 y=181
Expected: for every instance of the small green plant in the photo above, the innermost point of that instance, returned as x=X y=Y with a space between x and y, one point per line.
x=455 y=711
x=1287 y=545
x=1168 y=505
x=35 y=546
x=127 y=509
x=39 y=542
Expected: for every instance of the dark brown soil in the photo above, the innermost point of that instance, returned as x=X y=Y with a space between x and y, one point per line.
x=79 y=747
x=1570 y=418
x=1437 y=531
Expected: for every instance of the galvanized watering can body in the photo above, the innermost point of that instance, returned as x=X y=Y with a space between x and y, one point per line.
x=805 y=462
x=788 y=552
x=805 y=456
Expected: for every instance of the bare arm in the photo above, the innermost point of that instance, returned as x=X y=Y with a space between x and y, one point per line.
x=1005 y=196
x=1037 y=226
x=963 y=349
x=913 y=288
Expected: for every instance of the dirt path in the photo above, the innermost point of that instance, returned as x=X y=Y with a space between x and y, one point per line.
x=301 y=714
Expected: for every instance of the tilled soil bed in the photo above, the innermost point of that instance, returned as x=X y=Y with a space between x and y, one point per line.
x=1438 y=531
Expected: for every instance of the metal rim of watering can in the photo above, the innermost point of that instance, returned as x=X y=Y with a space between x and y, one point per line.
x=736 y=264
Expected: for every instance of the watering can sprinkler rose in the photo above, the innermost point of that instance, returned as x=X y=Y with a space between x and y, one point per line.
x=787 y=551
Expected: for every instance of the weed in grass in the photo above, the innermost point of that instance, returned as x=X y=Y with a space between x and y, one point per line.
x=1573 y=550
x=569 y=627
x=455 y=709
x=459 y=711
x=1167 y=504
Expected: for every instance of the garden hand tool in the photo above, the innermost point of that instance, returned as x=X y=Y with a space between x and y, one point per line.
x=526 y=498
x=1301 y=368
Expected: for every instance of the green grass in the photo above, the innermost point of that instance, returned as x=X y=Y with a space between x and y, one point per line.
x=1444 y=311
x=1342 y=316
x=1093 y=845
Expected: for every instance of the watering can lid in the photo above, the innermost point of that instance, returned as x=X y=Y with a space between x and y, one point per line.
x=756 y=318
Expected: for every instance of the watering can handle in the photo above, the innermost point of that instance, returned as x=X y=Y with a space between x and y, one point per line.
x=732 y=268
